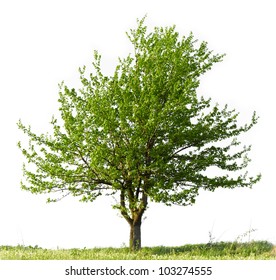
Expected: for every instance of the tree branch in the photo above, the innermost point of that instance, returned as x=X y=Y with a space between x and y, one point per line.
x=123 y=207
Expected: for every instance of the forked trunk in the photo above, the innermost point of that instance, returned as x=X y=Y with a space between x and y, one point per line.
x=134 y=217
x=135 y=236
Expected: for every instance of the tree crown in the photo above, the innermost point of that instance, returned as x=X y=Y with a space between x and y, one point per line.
x=142 y=132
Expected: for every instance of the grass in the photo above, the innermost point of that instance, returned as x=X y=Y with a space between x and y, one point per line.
x=255 y=250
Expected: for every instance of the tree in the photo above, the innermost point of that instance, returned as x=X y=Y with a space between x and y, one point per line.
x=140 y=134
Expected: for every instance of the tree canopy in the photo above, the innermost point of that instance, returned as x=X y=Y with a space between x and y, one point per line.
x=141 y=133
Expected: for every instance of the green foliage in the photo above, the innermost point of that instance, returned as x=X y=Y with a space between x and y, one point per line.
x=216 y=251
x=142 y=132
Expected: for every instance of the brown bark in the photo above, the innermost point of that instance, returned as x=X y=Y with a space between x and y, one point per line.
x=133 y=203
x=135 y=237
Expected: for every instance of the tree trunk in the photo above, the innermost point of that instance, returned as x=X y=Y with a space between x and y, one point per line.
x=135 y=236
x=134 y=216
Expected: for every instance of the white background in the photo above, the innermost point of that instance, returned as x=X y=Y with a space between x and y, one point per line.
x=44 y=42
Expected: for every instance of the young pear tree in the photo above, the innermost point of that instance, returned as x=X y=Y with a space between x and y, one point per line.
x=142 y=133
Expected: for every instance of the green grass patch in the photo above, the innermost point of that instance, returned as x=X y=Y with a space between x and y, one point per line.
x=255 y=250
